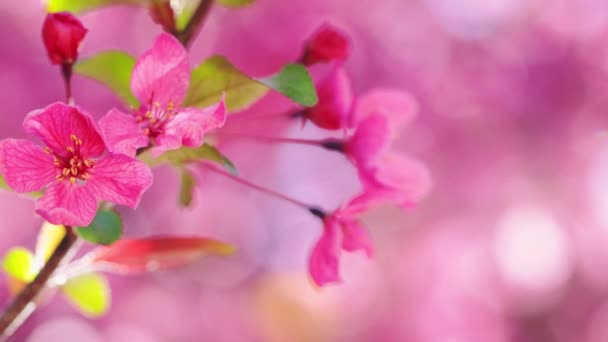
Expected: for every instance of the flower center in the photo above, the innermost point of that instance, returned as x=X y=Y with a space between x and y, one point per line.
x=71 y=164
x=153 y=118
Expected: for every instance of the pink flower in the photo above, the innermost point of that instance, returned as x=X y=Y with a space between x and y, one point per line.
x=325 y=45
x=335 y=101
x=386 y=176
x=62 y=34
x=341 y=231
x=74 y=167
x=160 y=81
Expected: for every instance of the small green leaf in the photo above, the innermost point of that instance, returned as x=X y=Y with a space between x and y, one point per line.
x=186 y=191
x=294 y=82
x=112 y=69
x=105 y=229
x=234 y=3
x=216 y=76
x=19 y=264
x=186 y=155
x=89 y=293
x=77 y=6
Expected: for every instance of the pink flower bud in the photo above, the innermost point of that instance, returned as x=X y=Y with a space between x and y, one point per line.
x=62 y=34
x=326 y=44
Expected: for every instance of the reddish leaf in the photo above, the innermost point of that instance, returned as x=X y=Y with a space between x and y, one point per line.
x=154 y=253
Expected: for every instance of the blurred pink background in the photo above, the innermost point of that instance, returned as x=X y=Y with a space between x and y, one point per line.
x=512 y=244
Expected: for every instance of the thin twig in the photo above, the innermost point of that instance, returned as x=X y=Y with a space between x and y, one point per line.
x=10 y=319
x=189 y=32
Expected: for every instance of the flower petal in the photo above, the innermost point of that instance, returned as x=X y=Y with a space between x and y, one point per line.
x=328 y=43
x=56 y=124
x=191 y=124
x=355 y=237
x=370 y=140
x=68 y=204
x=335 y=101
x=119 y=179
x=122 y=133
x=324 y=260
x=25 y=166
x=397 y=106
x=162 y=74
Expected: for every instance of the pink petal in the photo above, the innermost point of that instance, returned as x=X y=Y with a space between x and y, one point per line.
x=57 y=122
x=25 y=166
x=122 y=133
x=335 y=101
x=325 y=257
x=119 y=179
x=68 y=204
x=162 y=73
x=355 y=237
x=163 y=143
x=398 y=106
x=398 y=179
x=191 y=124
x=370 y=140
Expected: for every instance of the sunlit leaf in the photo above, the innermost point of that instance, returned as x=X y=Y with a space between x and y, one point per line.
x=186 y=192
x=19 y=264
x=104 y=230
x=48 y=239
x=88 y=293
x=112 y=69
x=185 y=155
x=154 y=253
x=77 y=6
x=294 y=82
x=216 y=76
x=234 y=3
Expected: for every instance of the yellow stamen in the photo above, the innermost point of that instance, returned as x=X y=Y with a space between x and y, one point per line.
x=70 y=149
x=88 y=163
x=48 y=150
x=72 y=180
x=74 y=170
x=66 y=171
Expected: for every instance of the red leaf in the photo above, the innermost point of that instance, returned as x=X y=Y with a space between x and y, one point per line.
x=154 y=253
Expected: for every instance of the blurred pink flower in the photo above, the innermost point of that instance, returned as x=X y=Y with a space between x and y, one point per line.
x=335 y=101
x=397 y=106
x=73 y=167
x=160 y=81
x=327 y=44
x=341 y=231
x=62 y=34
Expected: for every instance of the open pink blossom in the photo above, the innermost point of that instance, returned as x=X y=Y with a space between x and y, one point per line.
x=160 y=81
x=335 y=101
x=74 y=167
x=327 y=44
x=341 y=231
x=386 y=176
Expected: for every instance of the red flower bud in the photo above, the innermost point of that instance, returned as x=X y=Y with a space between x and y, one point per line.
x=62 y=34
x=326 y=44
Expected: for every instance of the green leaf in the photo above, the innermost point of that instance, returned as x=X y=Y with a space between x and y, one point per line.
x=234 y=3
x=78 y=6
x=186 y=155
x=294 y=82
x=105 y=229
x=19 y=264
x=89 y=293
x=216 y=76
x=186 y=191
x=112 y=69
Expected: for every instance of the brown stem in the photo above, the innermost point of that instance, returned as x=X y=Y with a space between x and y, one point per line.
x=194 y=25
x=10 y=318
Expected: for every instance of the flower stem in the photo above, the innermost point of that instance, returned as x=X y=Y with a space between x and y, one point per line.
x=23 y=304
x=331 y=144
x=262 y=189
x=186 y=35
x=66 y=72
